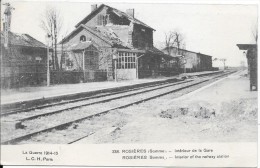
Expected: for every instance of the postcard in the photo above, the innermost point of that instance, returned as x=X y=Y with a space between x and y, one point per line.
x=124 y=83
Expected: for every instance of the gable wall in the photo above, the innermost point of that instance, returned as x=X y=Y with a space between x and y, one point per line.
x=105 y=52
x=94 y=20
x=113 y=18
x=89 y=37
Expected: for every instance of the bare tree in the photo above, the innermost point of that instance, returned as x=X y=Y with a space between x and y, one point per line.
x=51 y=22
x=169 y=41
x=174 y=39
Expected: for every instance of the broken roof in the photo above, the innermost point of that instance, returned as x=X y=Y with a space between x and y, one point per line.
x=107 y=36
x=117 y=12
x=22 y=40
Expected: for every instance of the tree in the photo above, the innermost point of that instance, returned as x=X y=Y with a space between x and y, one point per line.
x=51 y=22
x=174 y=39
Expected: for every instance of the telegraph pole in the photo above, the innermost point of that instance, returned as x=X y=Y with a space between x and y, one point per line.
x=7 y=29
x=7 y=23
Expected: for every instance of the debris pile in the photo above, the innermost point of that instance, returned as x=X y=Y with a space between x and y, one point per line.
x=194 y=110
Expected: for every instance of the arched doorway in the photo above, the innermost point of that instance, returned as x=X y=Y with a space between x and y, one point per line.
x=91 y=58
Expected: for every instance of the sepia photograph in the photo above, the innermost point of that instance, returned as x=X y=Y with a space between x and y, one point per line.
x=115 y=73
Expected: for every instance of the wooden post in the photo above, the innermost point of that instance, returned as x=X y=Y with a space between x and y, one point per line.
x=83 y=64
x=115 y=57
x=115 y=70
x=136 y=66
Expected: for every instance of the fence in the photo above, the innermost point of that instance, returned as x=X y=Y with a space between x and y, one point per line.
x=22 y=76
x=23 y=79
x=60 y=77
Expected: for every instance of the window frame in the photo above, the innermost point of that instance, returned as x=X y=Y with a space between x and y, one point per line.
x=82 y=38
x=126 y=60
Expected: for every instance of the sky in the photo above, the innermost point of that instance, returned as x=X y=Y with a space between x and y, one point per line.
x=212 y=29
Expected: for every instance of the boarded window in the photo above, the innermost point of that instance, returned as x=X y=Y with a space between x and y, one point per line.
x=102 y=19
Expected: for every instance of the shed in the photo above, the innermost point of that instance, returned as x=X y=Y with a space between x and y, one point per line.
x=24 y=62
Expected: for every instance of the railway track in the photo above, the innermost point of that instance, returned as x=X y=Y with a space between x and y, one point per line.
x=97 y=95
x=148 y=93
x=130 y=91
x=24 y=106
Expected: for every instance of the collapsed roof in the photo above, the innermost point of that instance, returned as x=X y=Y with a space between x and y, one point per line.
x=115 y=11
x=106 y=35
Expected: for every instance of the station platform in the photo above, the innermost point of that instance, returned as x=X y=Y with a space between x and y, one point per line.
x=26 y=94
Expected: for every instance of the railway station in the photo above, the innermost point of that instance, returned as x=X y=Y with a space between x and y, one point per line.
x=108 y=82
x=106 y=45
x=109 y=44
x=123 y=47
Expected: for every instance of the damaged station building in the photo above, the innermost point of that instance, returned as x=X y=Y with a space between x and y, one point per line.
x=109 y=44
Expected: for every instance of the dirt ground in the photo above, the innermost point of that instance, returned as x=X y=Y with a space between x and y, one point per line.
x=224 y=112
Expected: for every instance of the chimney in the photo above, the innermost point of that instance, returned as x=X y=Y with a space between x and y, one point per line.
x=93 y=7
x=130 y=12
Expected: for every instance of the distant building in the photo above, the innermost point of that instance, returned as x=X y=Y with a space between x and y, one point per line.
x=23 y=62
x=190 y=61
x=251 y=55
x=109 y=44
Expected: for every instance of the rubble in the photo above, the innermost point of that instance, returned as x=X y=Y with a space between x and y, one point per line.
x=194 y=110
